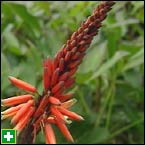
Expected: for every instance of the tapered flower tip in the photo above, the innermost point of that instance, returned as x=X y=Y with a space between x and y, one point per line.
x=49 y=134
x=54 y=101
x=68 y=121
x=11 y=111
x=24 y=120
x=16 y=100
x=70 y=114
x=69 y=103
x=4 y=116
x=51 y=119
x=64 y=130
x=81 y=118
x=22 y=85
x=2 y=105
x=20 y=114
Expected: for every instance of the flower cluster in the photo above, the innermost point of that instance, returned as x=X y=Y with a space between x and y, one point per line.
x=53 y=106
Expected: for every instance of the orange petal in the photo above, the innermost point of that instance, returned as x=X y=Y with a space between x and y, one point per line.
x=74 y=64
x=48 y=63
x=64 y=130
x=73 y=35
x=65 y=97
x=69 y=82
x=76 y=56
x=57 y=87
x=70 y=114
x=55 y=77
x=41 y=106
x=8 y=115
x=22 y=85
x=72 y=71
x=64 y=76
x=57 y=57
x=56 y=113
x=54 y=101
x=49 y=134
x=83 y=48
x=59 y=92
x=69 y=103
x=67 y=56
x=61 y=64
x=12 y=109
x=16 y=100
x=22 y=111
x=51 y=120
x=23 y=121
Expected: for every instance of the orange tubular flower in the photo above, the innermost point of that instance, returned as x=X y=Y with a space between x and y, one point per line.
x=23 y=121
x=54 y=101
x=23 y=85
x=16 y=100
x=12 y=109
x=64 y=131
x=70 y=114
x=4 y=116
x=49 y=134
x=22 y=111
x=53 y=106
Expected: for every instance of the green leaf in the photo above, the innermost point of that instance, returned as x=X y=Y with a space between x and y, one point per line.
x=12 y=43
x=5 y=68
x=82 y=135
x=137 y=5
x=110 y=63
x=131 y=46
x=82 y=77
x=21 y=11
x=123 y=23
x=93 y=59
x=135 y=60
x=134 y=78
x=113 y=37
x=11 y=40
x=42 y=5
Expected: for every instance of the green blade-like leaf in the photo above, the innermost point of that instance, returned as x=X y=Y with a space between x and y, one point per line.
x=110 y=63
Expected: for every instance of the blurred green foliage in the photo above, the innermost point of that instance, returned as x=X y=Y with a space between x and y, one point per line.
x=110 y=81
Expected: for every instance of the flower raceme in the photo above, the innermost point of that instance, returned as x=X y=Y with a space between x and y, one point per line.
x=53 y=106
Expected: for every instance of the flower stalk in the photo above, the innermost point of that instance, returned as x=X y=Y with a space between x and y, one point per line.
x=53 y=106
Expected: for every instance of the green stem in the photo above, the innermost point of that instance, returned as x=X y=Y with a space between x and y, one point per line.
x=110 y=104
x=103 y=107
x=84 y=104
x=110 y=109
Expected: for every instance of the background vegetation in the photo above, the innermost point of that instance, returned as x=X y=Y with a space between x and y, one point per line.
x=109 y=83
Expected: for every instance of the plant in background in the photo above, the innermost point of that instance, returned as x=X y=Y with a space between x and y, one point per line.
x=30 y=115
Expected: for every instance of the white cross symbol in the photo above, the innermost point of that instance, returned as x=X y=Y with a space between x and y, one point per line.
x=8 y=136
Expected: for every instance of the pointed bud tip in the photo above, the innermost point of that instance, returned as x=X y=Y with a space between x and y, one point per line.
x=3 y=112
x=72 y=140
x=54 y=100
x=74 y=100
x=2 y=102
x=2 y=117
x=81 y=118
x=10 y=77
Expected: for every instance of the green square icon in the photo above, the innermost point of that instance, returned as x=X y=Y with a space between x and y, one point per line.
x=8 y=136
